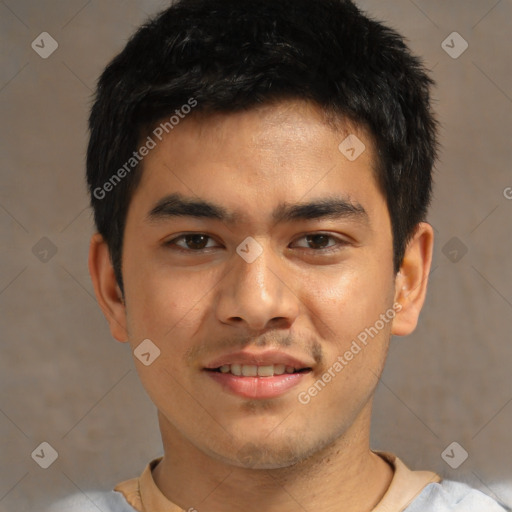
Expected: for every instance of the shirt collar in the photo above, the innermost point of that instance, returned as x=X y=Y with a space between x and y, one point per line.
x=144 y=496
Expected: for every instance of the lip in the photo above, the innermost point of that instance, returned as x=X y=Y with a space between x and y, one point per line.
x=269 y=357
x=257 y=387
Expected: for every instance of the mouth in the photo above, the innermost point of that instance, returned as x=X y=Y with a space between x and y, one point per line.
x=258 y=381
x=250 y=370
x=258 y=375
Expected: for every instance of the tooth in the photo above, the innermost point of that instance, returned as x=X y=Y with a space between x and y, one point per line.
x=248 y=370
x=265 y=371
x=224 y=368
x=290 y=369
x=236 y=369
x=279 y=369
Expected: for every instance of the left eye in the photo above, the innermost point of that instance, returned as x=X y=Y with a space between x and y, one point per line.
x=199 y=241
x=321 y=239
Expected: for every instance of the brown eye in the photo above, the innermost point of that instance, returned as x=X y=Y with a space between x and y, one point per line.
x=193 y=242
x=320 y=241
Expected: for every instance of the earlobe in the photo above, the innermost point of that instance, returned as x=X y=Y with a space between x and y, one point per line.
x=106 y=289
x=412 y=279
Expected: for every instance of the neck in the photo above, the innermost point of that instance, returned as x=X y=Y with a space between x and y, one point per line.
x=345 y=475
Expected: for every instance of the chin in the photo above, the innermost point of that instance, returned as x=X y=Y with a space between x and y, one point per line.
x=260 y=454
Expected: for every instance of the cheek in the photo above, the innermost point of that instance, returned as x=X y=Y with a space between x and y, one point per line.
x=170 y=306
x=346 y=310
x=345 y=301
x=166 y=307
x=159 y=297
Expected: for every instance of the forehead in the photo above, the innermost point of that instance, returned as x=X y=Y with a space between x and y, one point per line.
x=254 y=162
x=302 y=125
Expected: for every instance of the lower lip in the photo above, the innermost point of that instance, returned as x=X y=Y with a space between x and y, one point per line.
x=257 y=387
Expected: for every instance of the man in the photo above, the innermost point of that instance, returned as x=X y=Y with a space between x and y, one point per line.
x=260 y=173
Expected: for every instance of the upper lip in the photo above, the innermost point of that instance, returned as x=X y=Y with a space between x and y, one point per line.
x=267 y=358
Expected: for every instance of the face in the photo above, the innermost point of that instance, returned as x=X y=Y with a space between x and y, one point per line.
x=258 y=258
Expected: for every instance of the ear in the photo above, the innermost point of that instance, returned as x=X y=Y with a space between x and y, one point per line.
x=108 y=293
x=411 y=281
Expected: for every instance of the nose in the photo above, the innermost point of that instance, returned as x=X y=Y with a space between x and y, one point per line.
x=258 y=295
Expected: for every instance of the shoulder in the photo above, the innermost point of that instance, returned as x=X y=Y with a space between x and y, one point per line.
x=109 y=501
x=450 y=496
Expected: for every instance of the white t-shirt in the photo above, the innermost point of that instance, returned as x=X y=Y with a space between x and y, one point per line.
x=409 y=491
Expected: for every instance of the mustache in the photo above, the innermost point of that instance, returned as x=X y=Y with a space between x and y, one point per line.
x=307 y=345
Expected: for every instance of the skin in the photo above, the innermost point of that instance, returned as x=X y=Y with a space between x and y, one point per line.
x=196 y=306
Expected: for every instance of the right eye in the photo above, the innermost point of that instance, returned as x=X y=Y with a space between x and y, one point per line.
x=192 y=242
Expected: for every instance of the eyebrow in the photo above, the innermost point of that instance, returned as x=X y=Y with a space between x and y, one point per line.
x=334 y=208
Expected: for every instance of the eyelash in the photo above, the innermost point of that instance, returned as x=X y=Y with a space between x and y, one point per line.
x=327 y=250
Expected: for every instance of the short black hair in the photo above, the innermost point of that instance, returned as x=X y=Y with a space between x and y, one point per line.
x=232 y=55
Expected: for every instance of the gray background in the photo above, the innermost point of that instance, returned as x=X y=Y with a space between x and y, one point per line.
x=66 y=382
